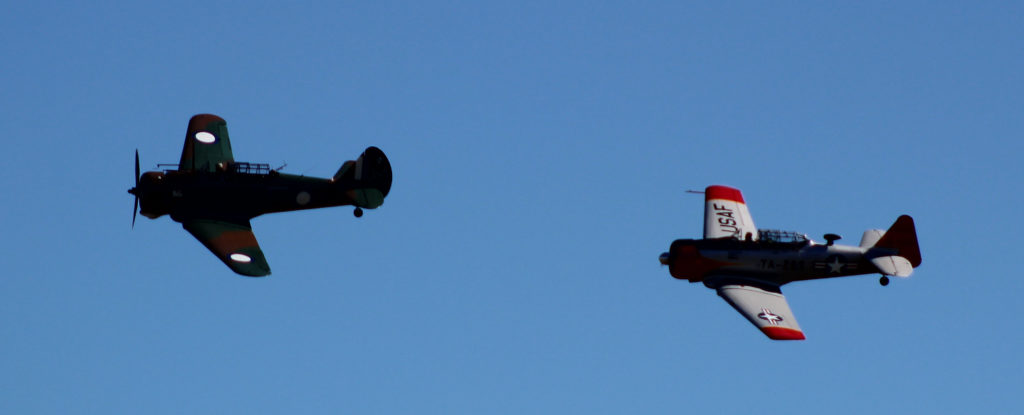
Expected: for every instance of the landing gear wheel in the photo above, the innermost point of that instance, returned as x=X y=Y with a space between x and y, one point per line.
x=884 y=280
x=358 y=212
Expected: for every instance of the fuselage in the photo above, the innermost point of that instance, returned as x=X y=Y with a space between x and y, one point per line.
x=241 y=192
x=698 y=260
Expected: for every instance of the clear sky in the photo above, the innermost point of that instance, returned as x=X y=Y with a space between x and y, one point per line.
x=541 y=154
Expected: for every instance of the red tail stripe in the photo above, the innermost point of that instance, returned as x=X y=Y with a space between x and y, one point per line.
x=723 y=192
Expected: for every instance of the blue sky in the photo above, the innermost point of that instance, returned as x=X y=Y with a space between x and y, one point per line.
x=541 y=153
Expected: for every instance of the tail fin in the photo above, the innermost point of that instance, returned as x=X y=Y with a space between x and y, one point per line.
x=369 y=177
x=901 y=240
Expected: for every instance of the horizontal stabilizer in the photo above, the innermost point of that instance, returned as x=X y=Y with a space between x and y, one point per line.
x=871 y=237
x=347 y=169
x=893 y=265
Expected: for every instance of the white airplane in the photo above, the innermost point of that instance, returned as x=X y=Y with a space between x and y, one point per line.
x=746 y=266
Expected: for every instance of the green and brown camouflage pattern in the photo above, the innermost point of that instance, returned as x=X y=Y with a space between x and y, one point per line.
x=215 y=197
x=227 y=238
x=206 y=157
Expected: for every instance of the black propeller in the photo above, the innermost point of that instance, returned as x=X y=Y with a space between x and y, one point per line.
x=135 y=190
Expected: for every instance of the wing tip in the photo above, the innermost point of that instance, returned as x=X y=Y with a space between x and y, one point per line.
x=205 y=118
x=783 y=333
x=718 y=191
x=256 y=268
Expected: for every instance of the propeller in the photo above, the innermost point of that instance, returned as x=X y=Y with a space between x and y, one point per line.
x=135 y=190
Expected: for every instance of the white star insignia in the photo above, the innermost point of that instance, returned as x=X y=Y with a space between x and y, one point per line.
x=835 y=266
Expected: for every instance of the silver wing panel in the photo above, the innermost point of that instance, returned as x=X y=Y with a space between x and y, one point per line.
x=765 y=307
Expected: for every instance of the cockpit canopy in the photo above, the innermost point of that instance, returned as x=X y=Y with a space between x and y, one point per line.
x=773 y=236
x=250 y=168
x=239 y=167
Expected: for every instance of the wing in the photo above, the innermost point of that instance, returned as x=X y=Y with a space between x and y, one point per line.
x=233 y=243
x=765 y=307
x=206 y=144
x=726 y=214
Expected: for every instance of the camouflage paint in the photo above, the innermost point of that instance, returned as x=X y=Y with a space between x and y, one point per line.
x=201 y=156
x=215 y=198
x=227 y=238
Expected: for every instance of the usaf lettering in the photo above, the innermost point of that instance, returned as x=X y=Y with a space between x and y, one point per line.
x=725 y=218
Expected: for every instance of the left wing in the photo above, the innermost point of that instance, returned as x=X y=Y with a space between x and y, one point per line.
x=726 y=214
x=764 y=306
x=207 y=147
x=233 y=243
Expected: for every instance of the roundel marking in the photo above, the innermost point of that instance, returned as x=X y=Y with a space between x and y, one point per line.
x=205 y=137
x=243 y=258
x=302 y=198
x=772 y=318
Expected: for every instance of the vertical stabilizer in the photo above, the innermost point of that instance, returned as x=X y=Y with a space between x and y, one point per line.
x=902 y=238
x=369 y=177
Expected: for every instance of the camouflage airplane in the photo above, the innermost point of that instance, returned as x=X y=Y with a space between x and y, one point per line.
x=746 y=266
x=214 y=197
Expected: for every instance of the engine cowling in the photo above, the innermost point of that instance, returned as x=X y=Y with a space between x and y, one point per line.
x=154 y=199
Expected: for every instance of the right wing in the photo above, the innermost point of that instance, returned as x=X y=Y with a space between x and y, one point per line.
x=764 y=306
x=207 y=147
x=726 y=214
x=233 y=243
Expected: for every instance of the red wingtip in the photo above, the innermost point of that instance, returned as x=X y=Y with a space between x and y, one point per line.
x=782 y=333
x=723 y=192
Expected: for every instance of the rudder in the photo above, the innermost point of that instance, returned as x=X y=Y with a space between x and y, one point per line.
x=369 y=176
x=902 y=238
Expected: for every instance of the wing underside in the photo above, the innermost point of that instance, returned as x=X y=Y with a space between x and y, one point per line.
x=233 y=243
x=764 y=306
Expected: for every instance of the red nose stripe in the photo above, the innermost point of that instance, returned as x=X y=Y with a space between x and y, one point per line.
x=723 y=192
x=782 y=333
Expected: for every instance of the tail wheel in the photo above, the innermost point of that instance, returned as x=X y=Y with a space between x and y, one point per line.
x=884 y=280
x=358 y=212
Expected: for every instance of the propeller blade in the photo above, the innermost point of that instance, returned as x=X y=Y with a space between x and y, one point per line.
x=134 y=191
x=136 y=167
